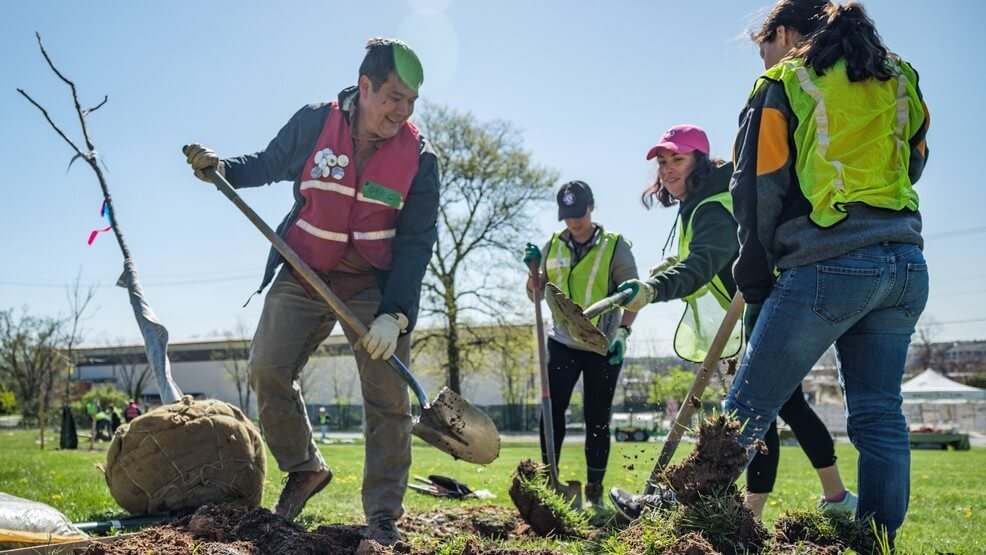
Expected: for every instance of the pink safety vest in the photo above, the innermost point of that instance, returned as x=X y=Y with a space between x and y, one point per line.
x=337 y=210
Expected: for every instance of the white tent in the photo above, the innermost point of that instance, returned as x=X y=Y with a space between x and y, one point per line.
x=931 y=387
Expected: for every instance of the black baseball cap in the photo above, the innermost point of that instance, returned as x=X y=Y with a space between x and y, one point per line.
x=574 y=199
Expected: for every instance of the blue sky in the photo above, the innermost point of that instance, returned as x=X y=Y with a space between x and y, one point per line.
x=591 y=85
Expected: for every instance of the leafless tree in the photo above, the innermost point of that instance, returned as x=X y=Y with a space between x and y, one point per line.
x=489 y=186
x=30 y=357
x=130 y=368
x=78 y=303
x=234 y=358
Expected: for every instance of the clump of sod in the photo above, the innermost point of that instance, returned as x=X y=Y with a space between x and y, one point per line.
x=546 y=510
x=722 y=519
x=838 y=529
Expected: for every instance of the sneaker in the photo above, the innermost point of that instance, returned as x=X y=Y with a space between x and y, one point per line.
x=593 y=494
x=299 y=487
x=384 y=532
x=847 y=505
x=631 y=506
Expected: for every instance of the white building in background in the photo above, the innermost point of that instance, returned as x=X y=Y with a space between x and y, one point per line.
x=202 y=369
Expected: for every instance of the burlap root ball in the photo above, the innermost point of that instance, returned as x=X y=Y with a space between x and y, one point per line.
x=185 y=455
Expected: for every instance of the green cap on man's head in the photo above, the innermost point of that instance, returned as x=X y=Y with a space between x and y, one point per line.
x=407 y=65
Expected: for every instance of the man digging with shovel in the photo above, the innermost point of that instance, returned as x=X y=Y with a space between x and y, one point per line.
x=366 y=190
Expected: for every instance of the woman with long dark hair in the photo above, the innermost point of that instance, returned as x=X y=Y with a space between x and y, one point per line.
x=831 y=143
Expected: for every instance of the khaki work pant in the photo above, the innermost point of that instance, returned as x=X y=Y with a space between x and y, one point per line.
x=292 y=326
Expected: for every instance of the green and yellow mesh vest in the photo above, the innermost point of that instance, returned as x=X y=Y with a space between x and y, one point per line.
x=588 y=281
x=852 y=138
x=706 y=307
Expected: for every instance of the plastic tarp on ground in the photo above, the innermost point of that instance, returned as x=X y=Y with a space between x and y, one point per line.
x=932 y=387
x=25 y=523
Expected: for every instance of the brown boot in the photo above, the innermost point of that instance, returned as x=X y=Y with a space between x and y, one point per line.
x=384 y=532
x=593 y=494
x=299 y=487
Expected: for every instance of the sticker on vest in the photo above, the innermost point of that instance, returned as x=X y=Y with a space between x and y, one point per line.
x=378 y=192
x=337 y=173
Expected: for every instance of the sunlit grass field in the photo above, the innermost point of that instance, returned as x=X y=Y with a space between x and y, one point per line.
x=947 y=510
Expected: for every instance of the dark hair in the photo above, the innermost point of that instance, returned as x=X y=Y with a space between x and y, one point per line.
x=378 y=62
x=831 y=32
x=702 y=168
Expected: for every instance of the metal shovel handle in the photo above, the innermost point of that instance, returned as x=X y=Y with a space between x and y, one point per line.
x=698 y=386
x=309 y=275
x=607 y=304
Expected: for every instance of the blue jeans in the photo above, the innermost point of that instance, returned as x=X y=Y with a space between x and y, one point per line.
x=867 y=303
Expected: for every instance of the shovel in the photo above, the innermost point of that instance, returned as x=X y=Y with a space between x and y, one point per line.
x=572 y=490
x=569 y=315
x=450 y=423
x=688 y=406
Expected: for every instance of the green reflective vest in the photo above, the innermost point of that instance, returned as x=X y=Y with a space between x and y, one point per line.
x=588 y=281
x=851 y=138
x=706 y=307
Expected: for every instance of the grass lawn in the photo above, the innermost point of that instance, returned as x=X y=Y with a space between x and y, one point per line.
x=947 y=514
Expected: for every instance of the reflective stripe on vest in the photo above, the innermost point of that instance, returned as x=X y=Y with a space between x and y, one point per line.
x=851 y=138
x=588 y=282
x=338 y=211
x=706 y=307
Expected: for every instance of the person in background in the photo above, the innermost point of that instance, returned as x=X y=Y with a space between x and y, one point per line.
x=587 y=263
x=132 y=411
x=323 y=423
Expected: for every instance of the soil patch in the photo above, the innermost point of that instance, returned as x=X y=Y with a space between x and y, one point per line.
x=486 y=521
x=692 y=544
x=713 y=466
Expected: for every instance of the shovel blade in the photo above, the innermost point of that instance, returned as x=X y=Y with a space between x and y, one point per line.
x=569 y=315
x=572 y=492
x=455 y=426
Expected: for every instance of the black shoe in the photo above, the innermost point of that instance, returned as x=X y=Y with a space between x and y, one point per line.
x=299 y=487
x=631 y=506
x=384 y=532
x=594 y=494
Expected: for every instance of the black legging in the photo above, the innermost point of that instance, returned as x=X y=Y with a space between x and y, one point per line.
x=599 y=378
x=811 y=434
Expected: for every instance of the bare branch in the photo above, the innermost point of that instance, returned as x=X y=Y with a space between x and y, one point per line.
x=53 y=125
x=88 y=111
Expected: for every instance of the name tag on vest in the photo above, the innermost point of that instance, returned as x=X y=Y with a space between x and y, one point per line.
x=378 y=192
x=553 y=263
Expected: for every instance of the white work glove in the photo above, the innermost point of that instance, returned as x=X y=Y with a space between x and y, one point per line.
x=664 y=265
x=641 y=294
x=380 y=341
x=200 y=158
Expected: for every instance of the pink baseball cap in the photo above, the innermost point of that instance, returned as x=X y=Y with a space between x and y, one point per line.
x=682 y=139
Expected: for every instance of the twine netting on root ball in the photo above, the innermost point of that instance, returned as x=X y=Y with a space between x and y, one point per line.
x=185 y=455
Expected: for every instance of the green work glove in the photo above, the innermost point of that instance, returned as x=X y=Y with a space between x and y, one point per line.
x=664 y=265
x=380 y=341
x=618 y=346
x=200 y=158
x=641 y=294
x=532 y=252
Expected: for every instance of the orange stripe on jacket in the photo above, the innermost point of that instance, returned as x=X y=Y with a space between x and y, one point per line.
x=772 y=147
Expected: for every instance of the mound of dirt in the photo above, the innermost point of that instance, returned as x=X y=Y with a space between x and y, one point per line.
x=692 y=544
x=486 y=521
x=713 y=466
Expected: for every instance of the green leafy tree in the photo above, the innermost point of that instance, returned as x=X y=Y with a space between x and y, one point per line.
x=675 y=385
x=490 y=185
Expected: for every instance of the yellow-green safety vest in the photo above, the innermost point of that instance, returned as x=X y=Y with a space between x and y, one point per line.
x=706 y=307
x=588 y=281
x=851 y=138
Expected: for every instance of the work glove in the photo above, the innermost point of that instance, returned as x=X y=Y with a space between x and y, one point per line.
x=532 y=252
x=380 y=341
x=664 y=265
x=200 y=158
x=642 y=294
x=618 y=346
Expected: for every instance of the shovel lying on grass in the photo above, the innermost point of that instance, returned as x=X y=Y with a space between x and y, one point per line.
x=450 y=423
x=572 y=490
